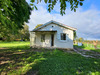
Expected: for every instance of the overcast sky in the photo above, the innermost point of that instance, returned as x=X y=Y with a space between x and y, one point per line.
x=86 y=19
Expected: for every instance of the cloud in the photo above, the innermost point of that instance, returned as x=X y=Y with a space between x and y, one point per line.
x=87 y=22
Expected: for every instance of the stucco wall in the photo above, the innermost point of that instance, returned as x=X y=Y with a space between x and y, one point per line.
x=32 y=38
x=47 y=39
x=59 y=30
x=68 y=43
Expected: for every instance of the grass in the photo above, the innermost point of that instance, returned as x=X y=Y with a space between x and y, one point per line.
x=60 y=63
x=89 y=47
x=23 y=60
x=14 y=44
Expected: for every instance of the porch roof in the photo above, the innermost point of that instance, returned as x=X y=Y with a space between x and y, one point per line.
x=46 y=31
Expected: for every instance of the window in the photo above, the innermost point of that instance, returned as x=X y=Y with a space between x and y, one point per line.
x=63 y=36
x=43 y=38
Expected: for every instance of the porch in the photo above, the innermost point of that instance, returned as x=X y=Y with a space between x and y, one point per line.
x=44 y=38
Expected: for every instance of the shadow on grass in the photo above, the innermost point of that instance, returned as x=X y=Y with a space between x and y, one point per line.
x=17 y=62
x=48 y=63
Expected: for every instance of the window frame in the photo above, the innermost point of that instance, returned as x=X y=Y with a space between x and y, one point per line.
x=63 y=36
x=42 y=37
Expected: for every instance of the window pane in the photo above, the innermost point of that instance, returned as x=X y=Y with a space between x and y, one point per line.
x=42 y=38
x=63 y=36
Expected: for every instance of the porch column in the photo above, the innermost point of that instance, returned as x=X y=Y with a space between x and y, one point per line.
x=32 y=39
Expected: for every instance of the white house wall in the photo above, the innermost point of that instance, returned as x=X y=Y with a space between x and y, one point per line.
x=32 y=38
x=68 y=43
x=47 y=39
x=59 y=30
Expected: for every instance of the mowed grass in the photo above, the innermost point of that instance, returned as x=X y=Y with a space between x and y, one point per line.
x=14 y=44
x=23 y=60
x=89 y=47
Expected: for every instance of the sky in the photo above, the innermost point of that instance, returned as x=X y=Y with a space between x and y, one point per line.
x=86 y=18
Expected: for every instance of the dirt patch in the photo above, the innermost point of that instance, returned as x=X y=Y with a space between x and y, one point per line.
x=18 y=52
x=4 y=62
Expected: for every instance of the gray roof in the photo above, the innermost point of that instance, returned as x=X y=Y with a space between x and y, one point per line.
x=60 y=24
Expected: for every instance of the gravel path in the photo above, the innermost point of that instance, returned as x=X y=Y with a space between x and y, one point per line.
x=87 y=53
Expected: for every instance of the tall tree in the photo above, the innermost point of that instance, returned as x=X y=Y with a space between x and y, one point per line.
x=13 y=14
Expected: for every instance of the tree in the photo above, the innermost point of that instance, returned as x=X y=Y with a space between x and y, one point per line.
x=24 y=33
x=7 y=35
x=13 y=14
x=63 y=4
x=38 y=26
x=81 y=39
x=75 y=35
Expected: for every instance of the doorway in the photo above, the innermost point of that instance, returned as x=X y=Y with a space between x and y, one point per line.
x=52 y=39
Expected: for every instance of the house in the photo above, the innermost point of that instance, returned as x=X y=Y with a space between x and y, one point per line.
x=52 y=35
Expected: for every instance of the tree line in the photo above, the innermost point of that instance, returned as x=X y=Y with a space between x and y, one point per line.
x=21 y=35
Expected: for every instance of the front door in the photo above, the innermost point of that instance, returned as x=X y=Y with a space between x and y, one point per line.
x=52 y=39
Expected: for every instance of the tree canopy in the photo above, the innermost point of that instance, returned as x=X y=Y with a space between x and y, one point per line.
x=13 y=14
x=63 y=4
x=38 y=25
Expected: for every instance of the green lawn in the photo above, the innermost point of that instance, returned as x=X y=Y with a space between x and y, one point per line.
x=23 y=60
x=89 y=47
x=14 y=44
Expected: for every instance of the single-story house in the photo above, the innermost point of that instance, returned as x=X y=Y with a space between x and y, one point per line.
x=52 y=35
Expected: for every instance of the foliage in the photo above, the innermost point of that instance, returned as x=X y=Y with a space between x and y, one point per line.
x=23 y=34
x=75 y=35
x=38 y=26
x=13 y=14
x=6 y=34
x=79 y=39
x=63 y=4
x=23 y=60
